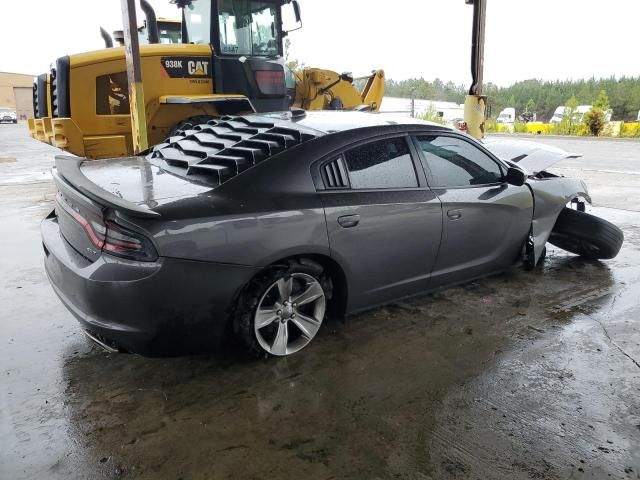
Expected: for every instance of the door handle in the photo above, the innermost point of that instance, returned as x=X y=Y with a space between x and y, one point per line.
x=348 y=221
x=454 y=214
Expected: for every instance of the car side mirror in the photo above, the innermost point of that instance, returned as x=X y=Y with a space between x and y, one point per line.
x=515 y=176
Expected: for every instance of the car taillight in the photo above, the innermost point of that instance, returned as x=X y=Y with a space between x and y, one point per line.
x=110 y=237
x=270 y=82
x=124 y=243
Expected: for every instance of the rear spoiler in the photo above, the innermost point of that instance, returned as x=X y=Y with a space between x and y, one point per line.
x=69 y=169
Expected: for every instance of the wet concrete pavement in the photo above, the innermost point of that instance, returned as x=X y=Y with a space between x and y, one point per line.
x=526 y=375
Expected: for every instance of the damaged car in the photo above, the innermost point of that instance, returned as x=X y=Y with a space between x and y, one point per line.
x=264 y=225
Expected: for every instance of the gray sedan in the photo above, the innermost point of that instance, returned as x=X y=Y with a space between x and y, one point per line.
x=263 y=225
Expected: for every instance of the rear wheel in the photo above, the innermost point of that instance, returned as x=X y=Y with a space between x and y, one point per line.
x=281 y=311
x=586 y=235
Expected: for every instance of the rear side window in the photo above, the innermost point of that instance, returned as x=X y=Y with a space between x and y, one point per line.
x=454 y=162
x=381 y=164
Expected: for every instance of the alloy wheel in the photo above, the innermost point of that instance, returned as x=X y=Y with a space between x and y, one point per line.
x=289 y=314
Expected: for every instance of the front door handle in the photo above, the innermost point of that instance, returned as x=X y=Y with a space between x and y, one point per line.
x=454 y=214
x=348 y=221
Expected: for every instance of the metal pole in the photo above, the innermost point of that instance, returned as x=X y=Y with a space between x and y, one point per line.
x=134 y=76
x=477 y=46
x=475 y=103
x=413 y=105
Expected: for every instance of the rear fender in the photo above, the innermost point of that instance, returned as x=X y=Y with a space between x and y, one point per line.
x=551 y=195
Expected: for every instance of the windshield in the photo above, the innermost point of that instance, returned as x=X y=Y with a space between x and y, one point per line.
x=248 y=28
x=4 y=109
x=197 y=16
x=169 y=32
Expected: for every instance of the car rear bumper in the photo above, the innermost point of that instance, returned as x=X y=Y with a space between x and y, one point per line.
x=170 y=306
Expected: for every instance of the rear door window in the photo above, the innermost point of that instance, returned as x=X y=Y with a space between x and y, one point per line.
x=381 y=164
x=454 y=162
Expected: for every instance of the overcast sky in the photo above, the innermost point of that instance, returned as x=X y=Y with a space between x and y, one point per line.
x=548 y=39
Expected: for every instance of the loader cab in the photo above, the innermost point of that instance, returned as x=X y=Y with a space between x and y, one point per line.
x=169 y=31
x=246 y=38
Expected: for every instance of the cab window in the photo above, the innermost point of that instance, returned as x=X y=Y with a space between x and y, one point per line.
x=381 y=164
x=198 y=20
x=248 y=28
x=454 y=162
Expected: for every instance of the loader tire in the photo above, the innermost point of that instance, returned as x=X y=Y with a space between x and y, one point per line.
x=586 y=235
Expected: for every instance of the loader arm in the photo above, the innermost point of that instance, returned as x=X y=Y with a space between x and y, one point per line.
x=319 y=89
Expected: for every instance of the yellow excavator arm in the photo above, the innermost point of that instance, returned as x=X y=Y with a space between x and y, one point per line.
x=319 y=89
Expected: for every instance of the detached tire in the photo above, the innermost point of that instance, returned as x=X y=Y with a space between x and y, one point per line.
x=586 y=235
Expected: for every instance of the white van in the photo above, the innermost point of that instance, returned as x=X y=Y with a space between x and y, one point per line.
x=507 y=115
x=558 y=114
x=580 y=112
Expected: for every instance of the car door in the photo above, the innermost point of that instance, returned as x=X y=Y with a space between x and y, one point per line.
x=485 y=220
x=384 y=224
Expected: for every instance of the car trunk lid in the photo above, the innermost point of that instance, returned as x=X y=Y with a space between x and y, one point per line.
x=87 y=213
x=140 y=182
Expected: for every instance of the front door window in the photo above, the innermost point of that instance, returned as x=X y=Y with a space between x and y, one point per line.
x=454 y=162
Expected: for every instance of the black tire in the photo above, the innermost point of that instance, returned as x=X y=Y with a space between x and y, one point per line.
x=248 y=299
x=586 y=235
x=188 y=124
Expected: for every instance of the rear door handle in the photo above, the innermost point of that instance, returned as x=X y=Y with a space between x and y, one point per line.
x=348 y=221
x=454 y=214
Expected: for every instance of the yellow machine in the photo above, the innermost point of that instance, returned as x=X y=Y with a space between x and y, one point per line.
x=318 y=89
x=230 y=61
x=92 y=117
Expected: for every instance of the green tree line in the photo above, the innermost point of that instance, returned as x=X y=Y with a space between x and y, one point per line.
x=421 y=88
x=541 y=97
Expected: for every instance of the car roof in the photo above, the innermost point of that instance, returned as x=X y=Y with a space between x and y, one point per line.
x=332 y=121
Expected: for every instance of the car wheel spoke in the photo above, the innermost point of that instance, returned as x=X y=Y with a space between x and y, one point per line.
x=279 y=346
x=313 y=292
x=307 y=325
x=285 y=286
x=265 y=317
x=289 y=313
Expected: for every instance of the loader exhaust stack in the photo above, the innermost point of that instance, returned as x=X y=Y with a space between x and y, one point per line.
x=152 y=23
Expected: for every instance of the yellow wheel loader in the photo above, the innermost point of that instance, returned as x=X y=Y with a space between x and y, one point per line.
x=318 y=89
x=230 y=61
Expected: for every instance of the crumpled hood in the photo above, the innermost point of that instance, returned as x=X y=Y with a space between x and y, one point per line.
x=534 y=157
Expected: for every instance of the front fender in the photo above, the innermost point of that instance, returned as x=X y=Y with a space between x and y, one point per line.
x=551 y=195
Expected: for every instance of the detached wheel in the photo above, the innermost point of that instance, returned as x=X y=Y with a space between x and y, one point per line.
x=280 y=312
x=586 y=235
